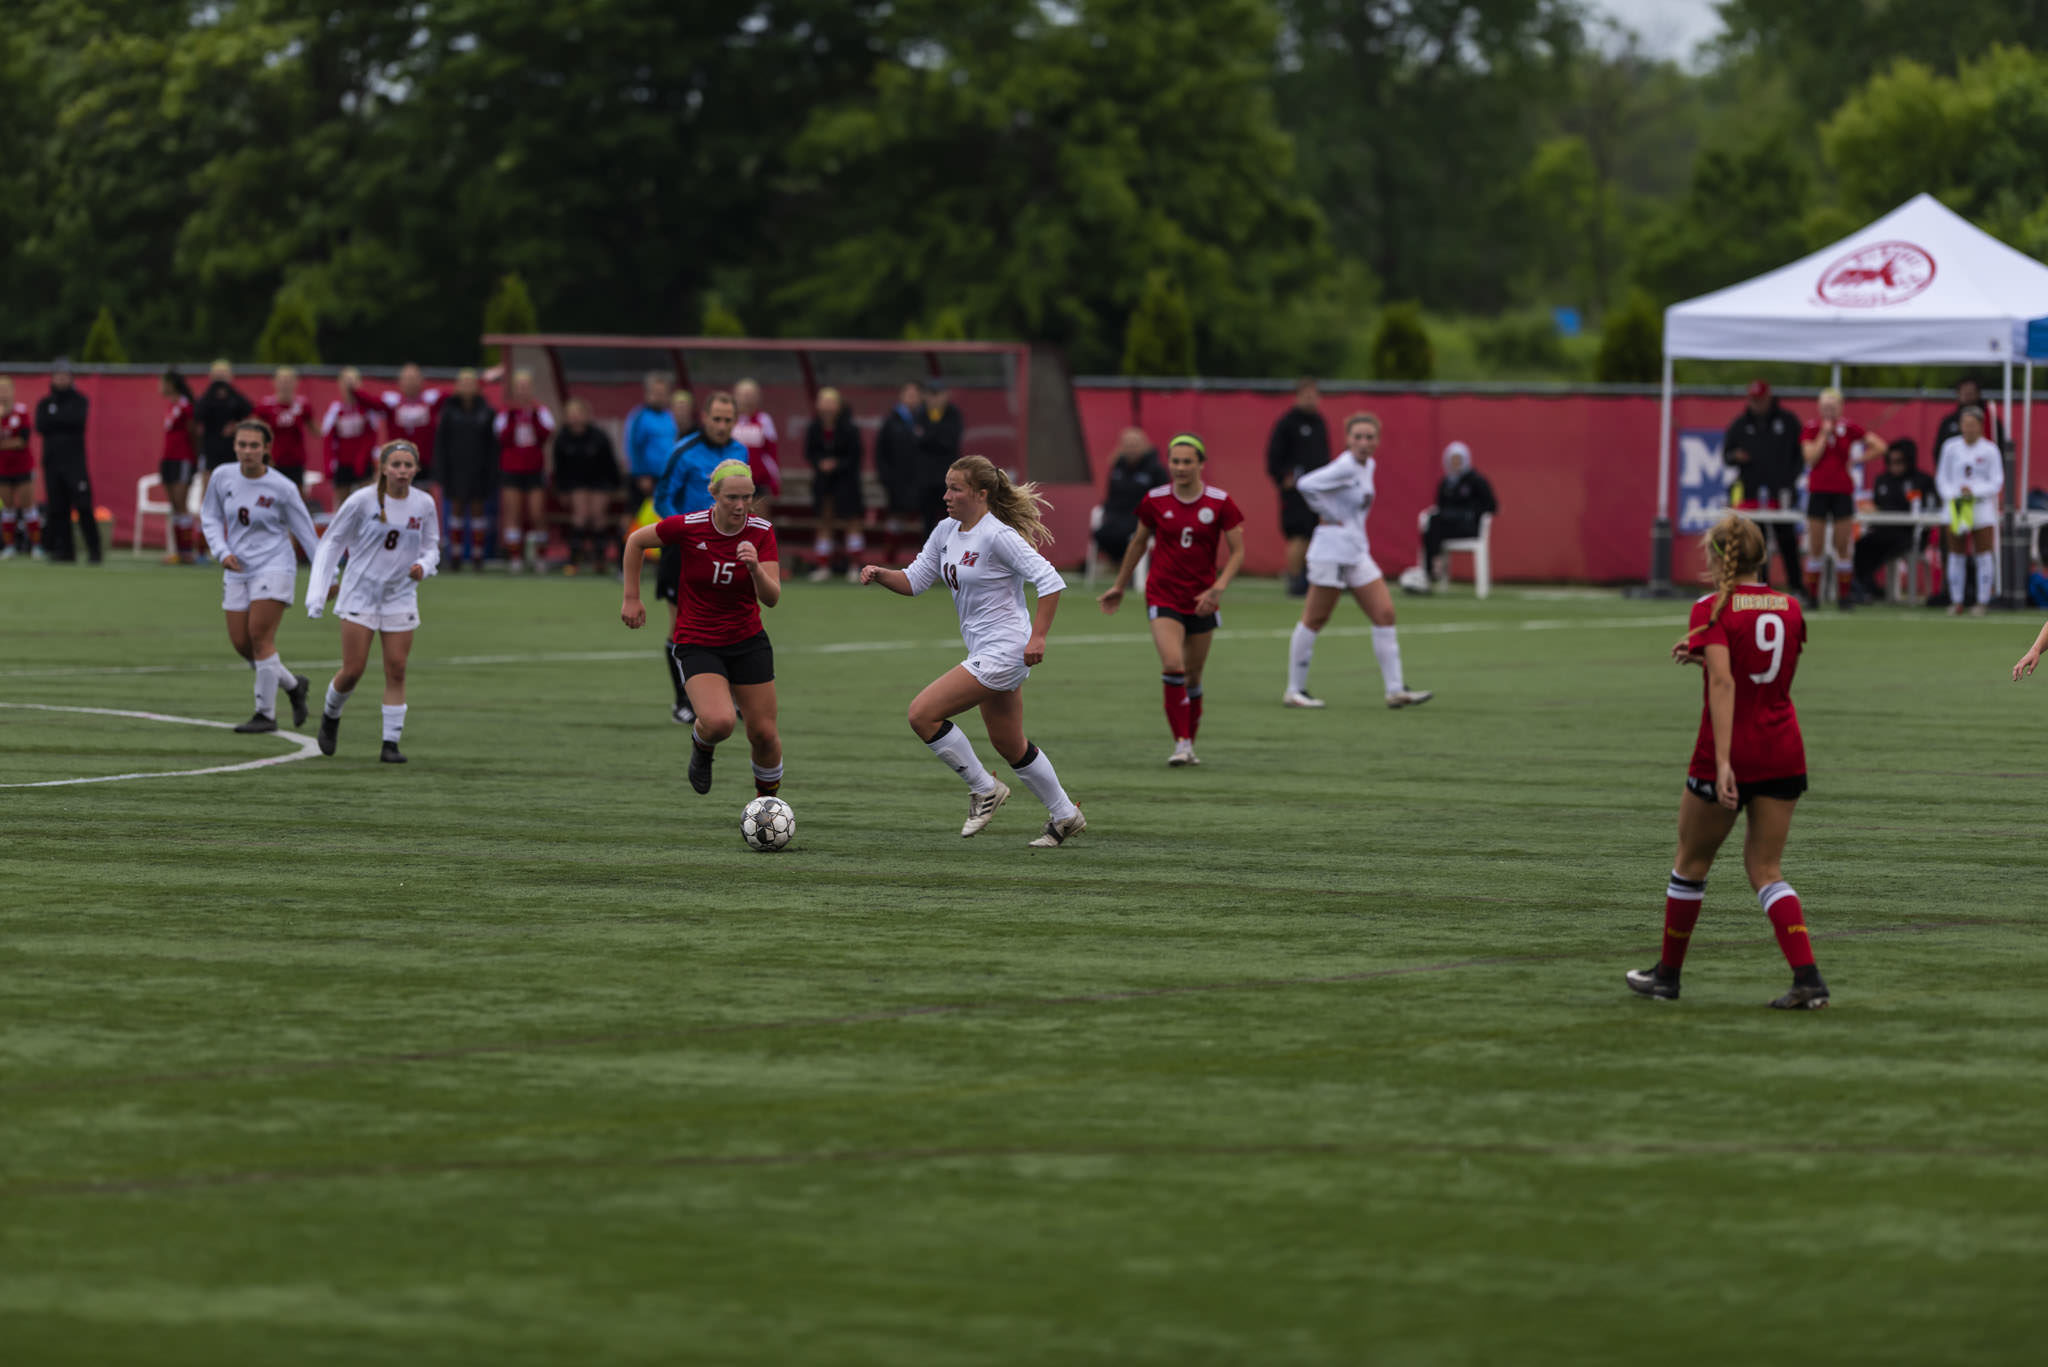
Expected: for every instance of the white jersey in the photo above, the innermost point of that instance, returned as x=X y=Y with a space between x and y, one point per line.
x=1341 y=494
x=381 y=553
x=256 y=520
x=1978 y=466
x=986 y=568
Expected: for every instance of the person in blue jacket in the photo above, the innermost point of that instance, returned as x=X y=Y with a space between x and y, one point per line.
x=650 y=436
x=685 y=487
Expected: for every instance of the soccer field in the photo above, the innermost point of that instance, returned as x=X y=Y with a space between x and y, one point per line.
x=1317 y=1053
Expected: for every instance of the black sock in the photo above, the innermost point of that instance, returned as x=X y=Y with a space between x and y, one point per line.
x=1809 y=976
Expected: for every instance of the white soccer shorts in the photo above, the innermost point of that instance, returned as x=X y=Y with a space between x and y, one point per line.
x=1331 y=574
x=397 y=617
x=999 y=672
x=238 y=588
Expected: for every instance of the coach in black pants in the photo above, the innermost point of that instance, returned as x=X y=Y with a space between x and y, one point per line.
x=1300 y=443
x=1763 y=446
x=67 y=484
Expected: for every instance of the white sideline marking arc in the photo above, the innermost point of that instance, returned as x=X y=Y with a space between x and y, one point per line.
x=845 y=648
x=308 y=747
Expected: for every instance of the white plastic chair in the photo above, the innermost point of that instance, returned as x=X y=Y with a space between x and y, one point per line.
x=1479 y=547
x=147 y=506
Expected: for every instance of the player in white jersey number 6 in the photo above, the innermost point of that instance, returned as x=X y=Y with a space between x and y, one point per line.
x=391 y=534
x=250 y=516
x=1340 y=558
x=983 y=550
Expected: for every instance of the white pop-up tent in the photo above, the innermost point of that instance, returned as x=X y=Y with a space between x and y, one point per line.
x=1921 y=285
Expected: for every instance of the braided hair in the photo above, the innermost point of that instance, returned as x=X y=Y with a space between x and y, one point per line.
x=1735 y=553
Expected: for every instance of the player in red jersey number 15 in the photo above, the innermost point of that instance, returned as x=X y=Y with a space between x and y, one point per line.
x=1183 y=523
x=1747 y=638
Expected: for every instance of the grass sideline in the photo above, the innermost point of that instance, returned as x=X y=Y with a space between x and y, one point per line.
x=1317 y=1053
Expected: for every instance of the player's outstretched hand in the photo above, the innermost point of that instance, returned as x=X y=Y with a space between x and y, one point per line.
x=418 y=572
x=2025 y=665
x=1208 y=601
x=1111 y=599
x=633 y=613
x=1725 y=788
x=1034 y=651
x=314 y=610
x=231 y=562
x=1686 y=653
x=870 y=573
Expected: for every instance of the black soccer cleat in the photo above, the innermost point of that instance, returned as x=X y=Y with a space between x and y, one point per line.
x=330 y=727
x=1803 y=997
x=700 y=768
x=389 y=754
x=256 y=724
x=296 y=695
x=1654 y=983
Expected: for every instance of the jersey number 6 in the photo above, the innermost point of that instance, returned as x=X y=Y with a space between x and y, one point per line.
x=1187 y=537
x=1770 y=639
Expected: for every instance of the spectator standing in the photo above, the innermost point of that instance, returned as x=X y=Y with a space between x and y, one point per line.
x=1300 y=443
x=587 y=475
x=941 y=438
x=288 y=416
x=683 y=409
x=349 y=434
x=650 y=435
x=1463 y=497
x=1763 y=446
x=1903 y=488
x=218 y=408
x=19 y=522
x=755 y=430
x=1134 y=472
x=899 y=452
x=832 y=445
x=1970 y=477
x=1970 y=394
x=1833 y=448
x=414 y=414
x=174 y=468
x=523 y=431
x=67 y=481
x=467 y=441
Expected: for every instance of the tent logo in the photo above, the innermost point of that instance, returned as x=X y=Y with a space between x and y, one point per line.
x=1875 y=276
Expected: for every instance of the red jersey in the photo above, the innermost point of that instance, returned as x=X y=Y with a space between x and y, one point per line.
x=717 y=605
x=413 y=420
x=1184 y=541
x=178 y=430
x=756 y=432
x=1831 y=473
x=288 y=423
x=1764 y=631
x=523 y=438
x=351 y=431
x=16 y=460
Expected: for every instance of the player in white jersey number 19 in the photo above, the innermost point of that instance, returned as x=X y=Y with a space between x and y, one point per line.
x=984 y=552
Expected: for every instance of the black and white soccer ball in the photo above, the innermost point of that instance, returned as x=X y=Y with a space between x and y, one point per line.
x=767 y=825
x=1414 y=579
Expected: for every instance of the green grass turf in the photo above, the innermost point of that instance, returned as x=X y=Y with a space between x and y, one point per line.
x=1318 y=1053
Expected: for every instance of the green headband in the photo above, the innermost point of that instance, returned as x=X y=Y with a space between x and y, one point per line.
x=725 y=470
x=1189 y=439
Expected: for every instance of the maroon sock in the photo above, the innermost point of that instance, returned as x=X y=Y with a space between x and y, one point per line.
x=1788 y=919
x=1842 y=578
x=1683 y=898
x=1176 y=686
x=1194 y=710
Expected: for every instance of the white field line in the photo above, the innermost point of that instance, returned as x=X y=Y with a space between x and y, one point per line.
x=857 y=647
x=307 y=746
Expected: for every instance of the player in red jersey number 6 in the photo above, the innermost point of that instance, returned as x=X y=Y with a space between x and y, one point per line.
x=1183 y=523
x=730 y=571
x=984 y=551
x=1747 y=637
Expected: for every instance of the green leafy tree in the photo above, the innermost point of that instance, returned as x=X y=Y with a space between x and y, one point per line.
x=102 y=343
x=949 y=324
x=1401 y=348
x=1742 y=213
x=509 y=310
x=1631 y=343
x=718 y=319
x=291 y=335
x=1160 y=337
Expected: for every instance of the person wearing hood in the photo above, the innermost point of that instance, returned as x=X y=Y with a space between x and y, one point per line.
x=218 y=409
x=67 y=482
x=1903 y=488
x=1463 y=497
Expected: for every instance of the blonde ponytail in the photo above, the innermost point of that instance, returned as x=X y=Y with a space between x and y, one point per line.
x=1017 y=506
x=1735 y=553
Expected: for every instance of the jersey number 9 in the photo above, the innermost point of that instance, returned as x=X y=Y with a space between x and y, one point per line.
x=1770 y=639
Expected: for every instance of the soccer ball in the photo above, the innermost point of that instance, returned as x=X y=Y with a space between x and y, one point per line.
x=1415 y=579
x=767 y=824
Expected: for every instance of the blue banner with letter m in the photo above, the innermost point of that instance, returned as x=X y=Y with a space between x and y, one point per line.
x=1703 y=478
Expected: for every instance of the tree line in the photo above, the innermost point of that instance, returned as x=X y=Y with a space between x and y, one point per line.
x=1214 y=186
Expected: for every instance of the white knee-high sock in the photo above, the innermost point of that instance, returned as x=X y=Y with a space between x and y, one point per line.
x=1036 y=771
x=855 y=543
x=1301 y=652
x=1955 y=578
x=394 y=722
x=1987 y=576
x=952 y=746
x=270 y=676
x=335 y=701
x=1386 y=648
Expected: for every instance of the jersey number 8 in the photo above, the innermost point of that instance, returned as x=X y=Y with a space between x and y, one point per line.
x=391 y=539
x=242 y=516
x=1770 y=639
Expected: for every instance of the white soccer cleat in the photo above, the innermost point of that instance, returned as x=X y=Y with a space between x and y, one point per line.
x=1183 y=753
x=1409 y=697
x=1295 y=697
x=981 y=809
x=821 y=575
x=1057 y=832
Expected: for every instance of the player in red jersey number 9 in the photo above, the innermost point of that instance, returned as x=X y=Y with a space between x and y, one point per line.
x=730 y=570
x=1747 y=637
x=1183 y=523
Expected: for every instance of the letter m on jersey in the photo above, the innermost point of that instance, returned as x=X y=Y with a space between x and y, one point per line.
x=969 y=557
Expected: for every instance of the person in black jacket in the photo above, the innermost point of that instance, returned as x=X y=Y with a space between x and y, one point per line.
x=1300 y=443
x=466 y=449
x=1763 y=446
x=67 y=483
x=1134 y=473
x=1970 y=394
x=1903 y=488
x=832 y=446
x=899 y=450
x=586 y=475
x=1463 y=496
x=944 y=431
x=218 y=408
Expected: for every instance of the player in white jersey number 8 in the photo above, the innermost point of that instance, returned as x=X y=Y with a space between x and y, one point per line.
x=250 y=517
x=984 y=552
